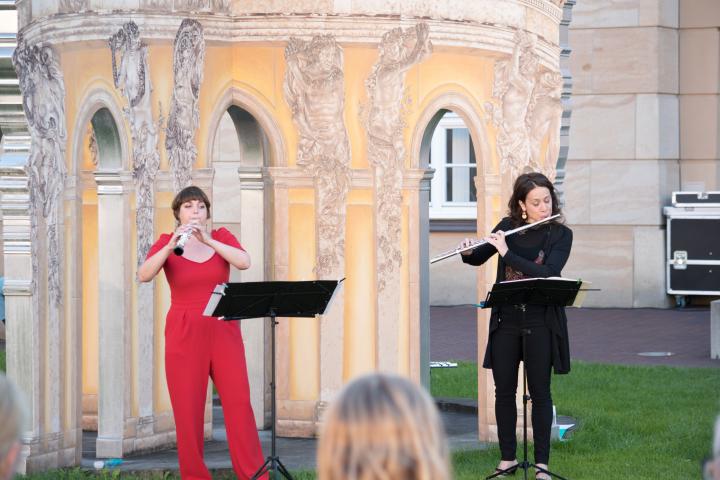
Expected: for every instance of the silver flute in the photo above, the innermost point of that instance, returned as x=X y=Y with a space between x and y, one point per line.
x=451 y=253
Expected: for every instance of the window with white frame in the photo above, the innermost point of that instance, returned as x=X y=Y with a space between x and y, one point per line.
x=452 y=192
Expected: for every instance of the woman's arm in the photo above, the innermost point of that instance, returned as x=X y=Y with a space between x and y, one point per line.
x=153 y=263
x=226 y=245
x=482 y=254
x=554 y=263
x=236 y=257
x=479 y=255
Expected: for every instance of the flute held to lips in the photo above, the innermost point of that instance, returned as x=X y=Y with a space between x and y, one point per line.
x=456 y=251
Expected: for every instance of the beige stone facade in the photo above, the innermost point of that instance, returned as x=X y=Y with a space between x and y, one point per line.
x=644 y=124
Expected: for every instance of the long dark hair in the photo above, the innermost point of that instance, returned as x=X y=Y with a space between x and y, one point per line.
x=523 y=185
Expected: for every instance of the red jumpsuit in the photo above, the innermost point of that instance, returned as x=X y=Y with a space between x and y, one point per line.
x=197 y=347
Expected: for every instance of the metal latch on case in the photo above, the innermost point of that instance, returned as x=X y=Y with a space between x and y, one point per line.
x=680 y=260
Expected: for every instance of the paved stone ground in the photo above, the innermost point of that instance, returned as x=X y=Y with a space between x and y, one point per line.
x=609 y=335
x=295 y=453
x=596 y=335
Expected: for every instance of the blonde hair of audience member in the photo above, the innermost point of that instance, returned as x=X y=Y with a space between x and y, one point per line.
x=382 y=427
x=11 y=421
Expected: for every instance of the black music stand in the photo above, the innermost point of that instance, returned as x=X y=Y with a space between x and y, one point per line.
x=239 y=301
x=534 y=291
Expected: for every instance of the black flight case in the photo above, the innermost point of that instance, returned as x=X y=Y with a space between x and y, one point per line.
x=693 y=245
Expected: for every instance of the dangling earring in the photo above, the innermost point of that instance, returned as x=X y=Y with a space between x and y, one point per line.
x=524 y=215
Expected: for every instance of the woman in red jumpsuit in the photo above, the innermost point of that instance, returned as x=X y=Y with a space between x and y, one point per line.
x=198 y=347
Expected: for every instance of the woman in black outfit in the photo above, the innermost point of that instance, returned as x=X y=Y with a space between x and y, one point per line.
x=541 y=251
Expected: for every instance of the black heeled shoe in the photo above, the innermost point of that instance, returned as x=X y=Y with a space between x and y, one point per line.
x=507 y=472
x=545 y=476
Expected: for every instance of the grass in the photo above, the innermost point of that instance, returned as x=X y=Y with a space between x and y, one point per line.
x=458 y=382
x=634 y=422
x=637 y=423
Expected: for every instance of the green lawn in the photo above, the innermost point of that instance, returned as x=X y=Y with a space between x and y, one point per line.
x=634 y=423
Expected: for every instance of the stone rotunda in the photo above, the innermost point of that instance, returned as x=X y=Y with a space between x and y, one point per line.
x=309 y=124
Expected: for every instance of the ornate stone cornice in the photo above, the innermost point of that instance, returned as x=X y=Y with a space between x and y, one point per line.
x=347 y=29
x=112 y=182
x=251 y=178
x=16 y=288
x=288 y=177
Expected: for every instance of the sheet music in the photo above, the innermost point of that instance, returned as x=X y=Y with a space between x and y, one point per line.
x=332 y=297
x=214 y=299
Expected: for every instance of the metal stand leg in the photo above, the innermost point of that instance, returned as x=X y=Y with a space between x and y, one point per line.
x=272 y=464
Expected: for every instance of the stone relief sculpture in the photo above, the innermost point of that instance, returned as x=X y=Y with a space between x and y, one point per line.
x=512 y=90
x=544 y=117
x=314 y=90
x=525 y=103
x=130 y=75
x=385 y=86
x=188 y=63
x=43 y=89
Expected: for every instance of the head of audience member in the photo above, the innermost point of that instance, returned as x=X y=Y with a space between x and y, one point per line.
x=382 y=427
x=11 y=424
x=712 y=466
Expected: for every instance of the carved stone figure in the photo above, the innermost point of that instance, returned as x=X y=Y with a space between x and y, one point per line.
x=526 y=108
x=512 y=90
x=544 y=116
x=314 y=89
x=399 y=51
x=132 y=78
x=41 y=84
x=188 y=63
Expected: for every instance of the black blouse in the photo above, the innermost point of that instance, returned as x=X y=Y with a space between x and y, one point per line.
x=541 y=251
x=552 y=239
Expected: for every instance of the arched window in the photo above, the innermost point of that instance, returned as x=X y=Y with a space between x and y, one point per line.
x=453 y=195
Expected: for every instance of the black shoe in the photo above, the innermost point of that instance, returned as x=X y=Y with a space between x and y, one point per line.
x=506 y=472
x=545 y=476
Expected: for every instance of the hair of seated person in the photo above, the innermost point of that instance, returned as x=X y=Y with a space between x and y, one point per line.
x=382 y=426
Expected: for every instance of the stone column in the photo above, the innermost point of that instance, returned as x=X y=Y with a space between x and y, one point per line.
x=252 y=236
x=566 y=73
x=145 y=359
x=114 y=386
x=419 y=344
x=23 y=337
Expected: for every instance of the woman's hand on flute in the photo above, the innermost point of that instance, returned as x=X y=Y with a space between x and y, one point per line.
x=201 y=234
x=468 y=242
x=497 y=240
x=172 y=243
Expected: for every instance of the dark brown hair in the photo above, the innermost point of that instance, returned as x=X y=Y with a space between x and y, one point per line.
x=187 y=194
x=523 y=185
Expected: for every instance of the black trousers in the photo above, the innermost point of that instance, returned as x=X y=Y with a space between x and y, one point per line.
x=506 y=351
